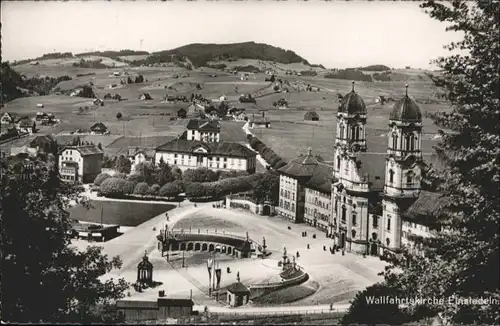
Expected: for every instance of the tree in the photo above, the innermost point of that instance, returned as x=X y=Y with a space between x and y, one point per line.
x=123 y=164
x=135 y=178
x=119 y=115
x=113 y=187
x=154 y=189
x=267 y=187
x=200 y=175
x=33 y=128
x=100 y=178
x=142 y=189
x=99 y=146
x=44 y=279
x=369 y=308
x=129 y=187
x=147 y=171
x=129 y=80
x=464 y=260
x=139 y=79
x=164 y=173
x=172 y=189
x=87 y=92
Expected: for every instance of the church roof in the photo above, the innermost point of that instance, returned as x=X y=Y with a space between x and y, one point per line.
x=238 y=288
x=321 y=179
x=426 y=208
x=302 y=166
x=352 y=103
x=406 y=110
x=373 y=166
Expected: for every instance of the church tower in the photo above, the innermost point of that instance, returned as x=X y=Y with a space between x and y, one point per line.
x=349 y=207
x=403 y=167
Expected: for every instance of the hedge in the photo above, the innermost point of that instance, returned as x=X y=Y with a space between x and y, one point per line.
x=273 y=159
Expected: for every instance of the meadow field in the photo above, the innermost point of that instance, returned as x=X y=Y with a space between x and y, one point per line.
x=148 y=123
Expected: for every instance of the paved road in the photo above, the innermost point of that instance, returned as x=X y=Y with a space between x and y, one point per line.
x=132 y=245
x=274 y=310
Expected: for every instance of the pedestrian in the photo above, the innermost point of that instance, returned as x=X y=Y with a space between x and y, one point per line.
x=343 y=251
x=324 y=248
x=331 y=306
x=308 y=247
x=298 y=254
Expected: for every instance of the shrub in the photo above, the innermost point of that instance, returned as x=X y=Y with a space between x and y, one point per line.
x=200 y=175
x=141 y=188
x=100 y=178
x=129 y=187
x=154 y=189
x=113 y=187
x=171 y=189
x=119 y=115
x=135 y=178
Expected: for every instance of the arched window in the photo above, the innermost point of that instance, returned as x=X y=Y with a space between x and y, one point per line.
x=409 y=138
x=387 y=242
x=293 y=207
x=353 y=234
x=394 y=140
x=375 y=221
x=338 y=162
x=344 y=212
x=391 y=176
x=374 y=236
x=409 y=178
x=388 y=223
x=354 y=219
x=358 y=133
x=412 y=142
x=341 y=134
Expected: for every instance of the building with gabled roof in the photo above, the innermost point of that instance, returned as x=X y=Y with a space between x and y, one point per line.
x=192 y=154
x=203 y=130
x=80 y=163
x=99 y=129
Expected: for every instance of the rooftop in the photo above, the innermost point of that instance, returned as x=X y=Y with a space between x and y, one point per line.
x=212 y=148
x=203 y=125
x=84 y=150
x=427 y=208
x=238 y=288
x=321 y=179
x=302 y=166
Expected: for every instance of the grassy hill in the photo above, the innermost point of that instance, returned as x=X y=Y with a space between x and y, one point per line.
x=199 y=54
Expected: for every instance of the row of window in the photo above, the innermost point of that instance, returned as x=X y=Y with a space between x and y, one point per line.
x=319 y=202
x=410 y=142
x=287 y=205
x=411 y=179
x=317 y=214
x=354 y=134
x=287 y=194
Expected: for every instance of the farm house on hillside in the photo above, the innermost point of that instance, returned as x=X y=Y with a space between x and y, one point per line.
x=145 y=97
x=311 y=116
x=99 y=129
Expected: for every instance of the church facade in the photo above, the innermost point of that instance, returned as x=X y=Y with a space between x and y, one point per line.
x=375 y=199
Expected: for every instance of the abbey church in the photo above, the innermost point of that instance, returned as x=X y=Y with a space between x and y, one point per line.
x=367 y=202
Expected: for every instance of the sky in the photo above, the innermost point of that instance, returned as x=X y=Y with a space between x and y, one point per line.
x=336 y=34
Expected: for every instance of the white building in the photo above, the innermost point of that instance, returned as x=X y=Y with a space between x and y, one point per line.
x=80 y=163
x=203 y=130
x=192 y=154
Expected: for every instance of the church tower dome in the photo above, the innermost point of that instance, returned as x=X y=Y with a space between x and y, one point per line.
x=406 y=110
x=352 y=104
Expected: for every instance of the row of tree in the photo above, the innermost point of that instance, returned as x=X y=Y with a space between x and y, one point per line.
x=273 y=159
x=350 y=74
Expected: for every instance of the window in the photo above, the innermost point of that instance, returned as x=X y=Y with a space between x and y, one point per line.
x=281 y=203
x=388 y=223
x=387 y=242
x=409 y=178
x=293 y=207
x=391 y=176
x=374 y=236
x=357 y=133
x=354 y=219
x=353 y=234
x=344 y=211
x=375 y=221
x=341 y=131
x=338 y=162
x=394 y=140
x=281 y=192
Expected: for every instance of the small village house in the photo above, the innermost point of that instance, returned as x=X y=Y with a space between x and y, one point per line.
x=80 y=163
x=44 y=144
x=182 y=113
x=311 y=116
x=145 y=97
x=98 y=101
x=99 y=129
x=160 y=309
x=237 y=293
x=9 y=117
x=25 y=125
x=138 y=155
